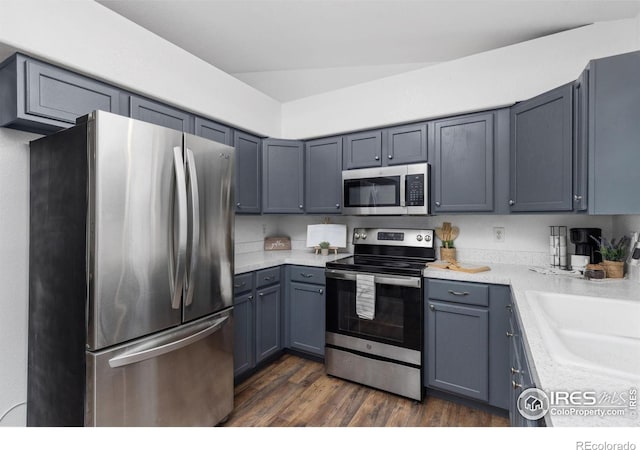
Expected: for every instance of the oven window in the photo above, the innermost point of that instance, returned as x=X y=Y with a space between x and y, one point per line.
x=397 y=320
x=370 y=192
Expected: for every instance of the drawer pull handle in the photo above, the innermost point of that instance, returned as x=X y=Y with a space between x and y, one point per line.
x=509 y=334
x=432 y=307
x=515 y=385
x=460 y=294
x=508 y=307
x=239 y=285
x=514 y=371
x=250 y=297
x=306 y=275
x=320 y=291
x=269 y=278
x=261 y=294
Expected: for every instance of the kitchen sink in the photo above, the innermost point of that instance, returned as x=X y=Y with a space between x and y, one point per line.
x=600 y=334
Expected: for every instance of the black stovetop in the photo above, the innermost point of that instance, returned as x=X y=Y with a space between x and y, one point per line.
x=381 y=264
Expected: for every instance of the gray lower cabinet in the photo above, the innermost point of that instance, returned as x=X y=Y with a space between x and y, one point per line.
x=305 y=310
x=541 y=152
x=362 y=150
x=614 y=134
x=406 y=144
x=160 y=114
x=470 y=152
x=520 y=377
x=41 y=98
x=248 y=177
x=257 y=318
x=213 y=131
x=282 y=176
x=466 y=346
x=323 y=175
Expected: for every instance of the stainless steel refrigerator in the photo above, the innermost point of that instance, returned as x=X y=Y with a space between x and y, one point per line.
x=131 y=268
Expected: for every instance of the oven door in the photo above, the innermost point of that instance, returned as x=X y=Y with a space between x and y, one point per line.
x=398 y=309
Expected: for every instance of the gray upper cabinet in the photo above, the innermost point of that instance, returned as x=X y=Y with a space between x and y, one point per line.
x=283 y=176
x=160 y=114
x=38 y=97
x=363 y=150
x=463 y=175
x=614 y=134
x=213 y=131
x=248 y=173
x=580 y=141
x=405 y=144
x=541 y=152
x=323 y=176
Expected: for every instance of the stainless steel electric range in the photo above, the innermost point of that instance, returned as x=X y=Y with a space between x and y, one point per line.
x=374 y=331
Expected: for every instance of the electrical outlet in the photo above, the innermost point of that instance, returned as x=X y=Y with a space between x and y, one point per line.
x=498 y=234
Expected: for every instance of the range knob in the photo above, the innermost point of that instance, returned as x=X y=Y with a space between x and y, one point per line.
x=364 y=235
x=419 y=237
x=427 y=238
x=356 y=235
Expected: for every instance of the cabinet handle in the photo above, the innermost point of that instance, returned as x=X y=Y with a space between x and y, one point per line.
x=432 y=307
x=300 y=206
x=337 y=205
x=238 y=204
x=269 y=278
x=306 y=275
x=320 y=291
x=508 y=308
x=250 y=297
x=514 y=371
x=261 y=294
x=509 y=334
x=459 y=294
x=515 y=385
x=512 y=202
x=437 y=203
x=239 y=285
x=377 y=158
x=390 y=156
x=577 y=198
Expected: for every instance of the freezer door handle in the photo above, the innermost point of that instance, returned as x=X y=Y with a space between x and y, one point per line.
x=179 y=260
x=143 y=353
x=195 y=226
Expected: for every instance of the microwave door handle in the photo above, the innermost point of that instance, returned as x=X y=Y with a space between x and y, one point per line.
x=195 y=227
x=403 y=190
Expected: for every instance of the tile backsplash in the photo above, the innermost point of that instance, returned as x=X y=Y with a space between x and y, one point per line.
x=526 y=236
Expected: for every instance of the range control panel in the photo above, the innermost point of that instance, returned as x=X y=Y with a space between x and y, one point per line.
x=397 y=237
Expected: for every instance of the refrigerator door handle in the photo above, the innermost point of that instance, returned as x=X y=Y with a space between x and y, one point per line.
x=178 y=261
x=195 y=226
x=138 y=355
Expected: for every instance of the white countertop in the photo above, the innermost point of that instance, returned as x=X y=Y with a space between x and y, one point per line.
x=548 y=374
x=248 y=262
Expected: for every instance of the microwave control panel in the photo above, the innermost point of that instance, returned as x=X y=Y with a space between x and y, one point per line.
x=415 y=190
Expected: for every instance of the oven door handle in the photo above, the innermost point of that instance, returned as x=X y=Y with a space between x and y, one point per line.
x=393 y=280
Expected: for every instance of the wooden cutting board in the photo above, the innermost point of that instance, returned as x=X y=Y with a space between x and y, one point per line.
x=457 y=268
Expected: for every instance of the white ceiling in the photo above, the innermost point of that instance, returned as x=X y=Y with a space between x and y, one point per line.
x=290 y=49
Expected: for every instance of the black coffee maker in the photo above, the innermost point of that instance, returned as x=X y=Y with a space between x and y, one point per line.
x=583 y=238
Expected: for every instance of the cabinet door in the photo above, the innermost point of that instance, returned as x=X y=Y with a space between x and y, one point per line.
x=283 y=176
x=614 y=134
x=323 y=175
x=499 y=313
x=306 y=318
x=363 y=150
x=580 y=141
x=211 y=130
x=243 y=333
x=405 y=145
x=163 y=115
x=248 y=173
x=463 y=172
x=458 y=346
x=541 y=152
x=267 y=322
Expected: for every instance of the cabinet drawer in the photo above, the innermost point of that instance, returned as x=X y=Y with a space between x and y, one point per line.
x=266 y=277
x=242 y=283
x=459 y=292
x=305 y=274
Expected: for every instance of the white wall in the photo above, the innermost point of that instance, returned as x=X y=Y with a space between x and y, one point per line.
x=14 y=272
x=91 y=39
x=625 y=225
x=486 y=80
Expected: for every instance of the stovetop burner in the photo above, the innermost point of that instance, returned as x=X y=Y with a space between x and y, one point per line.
x=376 y=264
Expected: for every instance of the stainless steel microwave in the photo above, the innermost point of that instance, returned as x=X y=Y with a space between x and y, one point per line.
x=393 y=190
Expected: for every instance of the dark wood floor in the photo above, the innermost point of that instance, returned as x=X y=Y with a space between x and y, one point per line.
x=296 y=392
